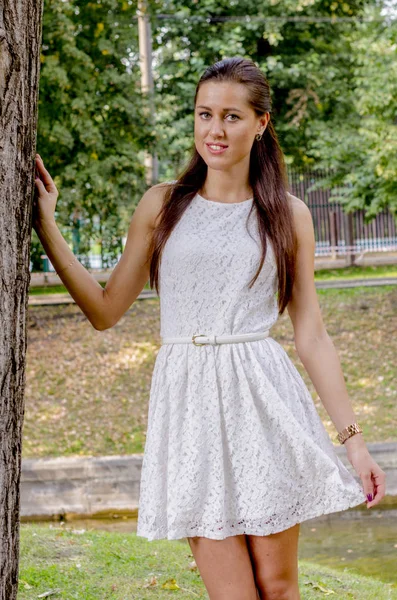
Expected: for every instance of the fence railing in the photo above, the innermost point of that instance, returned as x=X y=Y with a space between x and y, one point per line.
x=338 y=233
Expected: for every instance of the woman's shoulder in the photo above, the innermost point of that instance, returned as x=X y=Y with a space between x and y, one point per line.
x=159 y=189
x=302 y=216
x=295 y=202
x=152 y=201
x=299 y=207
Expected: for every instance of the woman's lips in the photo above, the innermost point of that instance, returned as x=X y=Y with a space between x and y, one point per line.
x=220 y=150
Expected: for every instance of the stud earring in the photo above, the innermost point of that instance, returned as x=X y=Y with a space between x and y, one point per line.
x=258 y=136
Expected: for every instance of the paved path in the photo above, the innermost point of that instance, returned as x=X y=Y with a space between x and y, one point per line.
x=349 y=283
x=53 y=299
x=320 y=262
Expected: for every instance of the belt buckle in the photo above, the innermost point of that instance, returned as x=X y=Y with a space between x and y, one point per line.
x=198 y=343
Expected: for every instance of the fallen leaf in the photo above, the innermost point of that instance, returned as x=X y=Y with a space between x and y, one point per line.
x=151 y=583
x=170 y=584
x=316 y=586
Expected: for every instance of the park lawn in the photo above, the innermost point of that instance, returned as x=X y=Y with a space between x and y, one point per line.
x=52 y=289
x=88 y=565
x=354 y=272
x=61 y=289
x=87 y=391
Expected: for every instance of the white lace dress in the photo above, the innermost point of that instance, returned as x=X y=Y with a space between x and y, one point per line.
x=234 y=442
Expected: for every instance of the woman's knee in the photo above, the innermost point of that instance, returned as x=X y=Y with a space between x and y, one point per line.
x=278 y=590
x=275 y=564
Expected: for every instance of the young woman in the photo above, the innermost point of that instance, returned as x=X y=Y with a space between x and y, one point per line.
x=236 y=455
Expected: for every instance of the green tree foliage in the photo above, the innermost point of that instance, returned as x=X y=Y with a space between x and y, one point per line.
x=361 y=145
x=333 y=84
x=332 y=68
x=308 y=62
x=92 y=124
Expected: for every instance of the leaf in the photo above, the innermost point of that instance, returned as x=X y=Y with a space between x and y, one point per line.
x=317 y=586
x=193 y=565
x=170 y=584
x=99 y=28
x=49 y=593
x=151 y=583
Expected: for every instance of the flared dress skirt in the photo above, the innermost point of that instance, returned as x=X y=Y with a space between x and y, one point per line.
x=234 y=443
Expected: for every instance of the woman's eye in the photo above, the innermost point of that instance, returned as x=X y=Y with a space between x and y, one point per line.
x=230 y=115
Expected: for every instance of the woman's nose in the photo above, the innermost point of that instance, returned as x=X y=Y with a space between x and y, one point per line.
x=216 y=128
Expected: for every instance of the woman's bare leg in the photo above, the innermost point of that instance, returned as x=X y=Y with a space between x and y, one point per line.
x=225 y=567
x=275 y=563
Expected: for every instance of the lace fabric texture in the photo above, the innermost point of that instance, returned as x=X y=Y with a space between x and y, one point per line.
x=234 y=442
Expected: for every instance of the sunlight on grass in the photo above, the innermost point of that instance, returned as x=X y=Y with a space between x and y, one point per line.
x=356 y=272
x=96 y=564
x=87 y=391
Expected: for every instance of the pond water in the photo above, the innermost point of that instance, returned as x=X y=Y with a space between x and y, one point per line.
x=359 y=539
x=363 y=541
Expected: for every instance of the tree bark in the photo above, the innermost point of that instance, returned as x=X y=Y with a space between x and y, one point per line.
x=20 y=42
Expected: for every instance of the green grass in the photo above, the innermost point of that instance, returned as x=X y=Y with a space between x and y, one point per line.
x=98 y=565
x=52 y=289
x=356 y=272
x=60 y=289
x=320 y=275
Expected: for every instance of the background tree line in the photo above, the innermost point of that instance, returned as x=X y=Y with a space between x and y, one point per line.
x=331 y=65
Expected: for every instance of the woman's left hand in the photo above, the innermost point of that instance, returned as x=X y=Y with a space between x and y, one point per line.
x=370 y=473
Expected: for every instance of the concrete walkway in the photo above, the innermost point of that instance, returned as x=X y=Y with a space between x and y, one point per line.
x=351 y=283
x=367 y=259
x=54 y=487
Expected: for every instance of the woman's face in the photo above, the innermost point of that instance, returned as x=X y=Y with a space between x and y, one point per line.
x=225 y=125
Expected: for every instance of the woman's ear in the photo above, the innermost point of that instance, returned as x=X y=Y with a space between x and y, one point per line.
x=264 y=121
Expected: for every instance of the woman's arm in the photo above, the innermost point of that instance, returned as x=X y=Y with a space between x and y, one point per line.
x=320 y=359
x=102 y=306
x=313 y=344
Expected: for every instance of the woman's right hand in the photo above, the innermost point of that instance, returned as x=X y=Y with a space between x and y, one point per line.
x=45 y=198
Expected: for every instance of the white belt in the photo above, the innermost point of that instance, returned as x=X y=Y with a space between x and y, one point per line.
x=216 y=339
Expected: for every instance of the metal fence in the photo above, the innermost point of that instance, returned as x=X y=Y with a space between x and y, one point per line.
x=336 y=232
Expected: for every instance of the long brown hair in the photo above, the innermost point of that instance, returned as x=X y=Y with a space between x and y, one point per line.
x=267 y=177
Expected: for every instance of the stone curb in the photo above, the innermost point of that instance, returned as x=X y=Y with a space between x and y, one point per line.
x=52 y=487
x=350 y=283
x=376 y=258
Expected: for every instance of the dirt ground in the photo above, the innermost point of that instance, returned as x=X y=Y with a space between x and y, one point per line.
x=87 y=391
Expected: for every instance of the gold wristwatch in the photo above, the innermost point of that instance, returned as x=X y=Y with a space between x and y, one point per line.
x=348 y=432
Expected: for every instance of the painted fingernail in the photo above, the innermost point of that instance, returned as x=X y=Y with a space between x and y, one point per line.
x=369 y=497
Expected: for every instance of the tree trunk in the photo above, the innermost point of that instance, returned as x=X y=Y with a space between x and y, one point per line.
x=20 y=42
